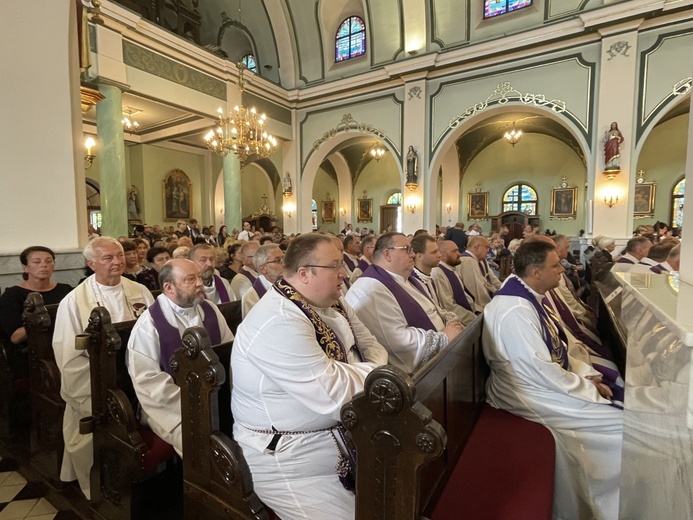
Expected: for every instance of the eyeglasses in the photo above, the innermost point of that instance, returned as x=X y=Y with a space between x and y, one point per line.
x=277 y=261
x=335 y=267
x=402 y=248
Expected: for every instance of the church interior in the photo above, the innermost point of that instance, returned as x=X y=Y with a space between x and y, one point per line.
x=382 y=114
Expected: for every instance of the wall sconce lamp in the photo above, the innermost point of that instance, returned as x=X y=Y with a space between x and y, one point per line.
x=342 y=211
x=288 y=209
x=412 y=204
x=448 y=208
x=89 y=157
x=611 y=200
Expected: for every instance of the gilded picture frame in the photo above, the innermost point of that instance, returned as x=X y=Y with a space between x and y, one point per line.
x=644 y=200
x=477 y=205
x=329 y=215
x=564 y=203
x=365 y=210
x=177 y=196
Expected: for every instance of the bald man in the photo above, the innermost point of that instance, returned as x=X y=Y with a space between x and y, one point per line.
x=157 y=335
x=451 y=291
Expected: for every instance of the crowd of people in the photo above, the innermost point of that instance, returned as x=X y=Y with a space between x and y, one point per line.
x=320 y=312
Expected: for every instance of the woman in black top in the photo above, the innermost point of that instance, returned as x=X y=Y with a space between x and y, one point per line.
x=38 y=263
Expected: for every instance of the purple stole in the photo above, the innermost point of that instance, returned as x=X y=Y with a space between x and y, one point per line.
x=557 y=344
x=247 y=274
x=572 y=324
x=623 y=260
x=259 y=287
x=170 y=338
x=363 y=265
x=483 y=268
x=419 y=285
x=221 y=290
x=457 y=288
x=658 y=269
x=350 y=264
x=413 y=313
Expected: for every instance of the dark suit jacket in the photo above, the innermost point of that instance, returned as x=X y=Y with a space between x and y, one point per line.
x=458 y=236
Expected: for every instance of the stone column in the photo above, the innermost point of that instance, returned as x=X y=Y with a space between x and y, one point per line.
x=415 y=124
x=114 y=188
x=232 y=192
x=451 y=189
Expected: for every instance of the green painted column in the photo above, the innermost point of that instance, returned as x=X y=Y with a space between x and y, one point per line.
x=111 y=150
x=232 y=192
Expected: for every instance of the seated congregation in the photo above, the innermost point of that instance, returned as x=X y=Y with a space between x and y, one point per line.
x=378 y=376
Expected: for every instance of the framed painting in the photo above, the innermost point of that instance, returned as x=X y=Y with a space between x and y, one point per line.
x=644 y=200
x=477 y=205
x=177 y=193
x=564 y=203
x=329 y=215
x=365 y=213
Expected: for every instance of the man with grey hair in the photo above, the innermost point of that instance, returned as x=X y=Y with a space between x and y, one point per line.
x=475 y=272
x=298 y=357
x=367 y=247
x=246 y=277
x=636 y=250
x=533 y=375
x=268 y=263
x=124 y=300
x=155 y=338
x=401 y=317
x=217 y=289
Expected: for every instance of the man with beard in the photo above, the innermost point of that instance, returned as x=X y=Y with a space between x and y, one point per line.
x=216 y=288
x=452 y=293
x=155 y=338
x=247 y=276
x=125 y=300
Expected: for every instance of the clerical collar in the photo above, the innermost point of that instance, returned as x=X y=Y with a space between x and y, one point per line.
x=421 y=274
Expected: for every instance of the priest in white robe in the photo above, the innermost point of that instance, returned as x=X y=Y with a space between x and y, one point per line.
x=451 y=291
x=289 y=388
x=405 y=321
x=352 y=249
x=475 y=272
x=268 y=261
x=155 y=338
x=125 y=300
x=534 y=376
x=636 y=249
x=367 y=247
x=245 y=278
x=216 y=288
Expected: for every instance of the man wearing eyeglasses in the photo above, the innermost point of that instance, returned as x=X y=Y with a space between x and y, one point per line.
x=367 y=247
x=246 y=277
x=268 y=263
x=405 y=321
x=298 y=357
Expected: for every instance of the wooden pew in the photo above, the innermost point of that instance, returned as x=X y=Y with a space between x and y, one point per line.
x=47 y=406
x=217 y=481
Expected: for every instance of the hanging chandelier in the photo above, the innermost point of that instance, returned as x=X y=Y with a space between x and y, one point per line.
x=129 y=124
x=377 y=151
x=513 y=136
x=242 y=131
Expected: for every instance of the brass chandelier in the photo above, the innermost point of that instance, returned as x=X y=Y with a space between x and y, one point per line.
x=242 y=131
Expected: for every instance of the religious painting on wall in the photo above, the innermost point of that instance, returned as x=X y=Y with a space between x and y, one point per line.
x=329 y=215
x=365 y=213
x=177 y=193
x=563 y=203
x=644 y=200
x=477 y=205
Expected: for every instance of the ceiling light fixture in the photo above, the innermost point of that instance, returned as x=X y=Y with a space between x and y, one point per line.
x=377 y=151
x=513 y=136
x=242 y=131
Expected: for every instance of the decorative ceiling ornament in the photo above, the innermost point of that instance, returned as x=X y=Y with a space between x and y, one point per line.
x=348 y=124
x=242 y=131
x=513 y=136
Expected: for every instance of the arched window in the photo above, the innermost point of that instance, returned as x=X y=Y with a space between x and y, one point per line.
x=249 y=61
x=395 y=198
x=350 y=41
x=521 y=197
x=677 y=203
x=495 y=7
x=314 y=211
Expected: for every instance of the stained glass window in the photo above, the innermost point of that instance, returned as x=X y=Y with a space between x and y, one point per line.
x=495 y=7
x=314 y=210
x=521 y=197
x=677 y=203
x=249 y=61
x=350 y=41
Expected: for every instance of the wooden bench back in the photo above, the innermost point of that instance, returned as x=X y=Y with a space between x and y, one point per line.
x=47 y=406
x=401 y=422
x=217 y=480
